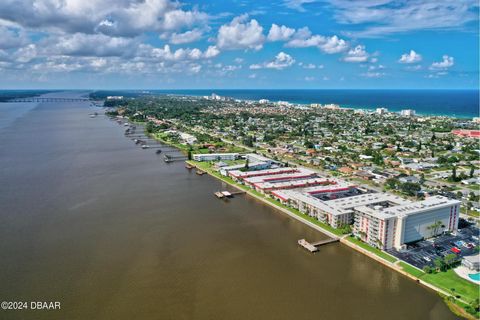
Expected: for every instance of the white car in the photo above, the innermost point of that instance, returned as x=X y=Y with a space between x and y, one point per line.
x=427 y=259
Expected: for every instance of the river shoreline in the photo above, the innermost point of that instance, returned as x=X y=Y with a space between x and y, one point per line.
x=344 y=240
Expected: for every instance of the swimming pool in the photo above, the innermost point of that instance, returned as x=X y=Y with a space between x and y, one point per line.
x=474 y=276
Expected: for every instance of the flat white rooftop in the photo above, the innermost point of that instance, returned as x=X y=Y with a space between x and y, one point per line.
x=299 y=173
x=433 y=202
x=245 y=174
x=290 y=184
x=258 y=157
x=309 y=200
x=367 y=199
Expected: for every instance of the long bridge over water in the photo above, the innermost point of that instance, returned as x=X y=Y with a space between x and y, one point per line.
x=37 y=99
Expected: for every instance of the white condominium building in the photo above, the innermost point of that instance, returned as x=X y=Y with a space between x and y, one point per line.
x=214 y=156
x=389 y=225
x=407 y=113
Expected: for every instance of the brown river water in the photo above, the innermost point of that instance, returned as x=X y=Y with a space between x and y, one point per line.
x=110 y=231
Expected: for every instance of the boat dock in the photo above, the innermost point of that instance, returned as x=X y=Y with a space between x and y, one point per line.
x=304 y=243
x=313 y=247
x=227 y=194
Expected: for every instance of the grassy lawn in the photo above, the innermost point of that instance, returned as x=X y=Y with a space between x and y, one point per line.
x=409 y=269
x=472 y=213
x=473 y=187
x=467 y=290
x=376 y=251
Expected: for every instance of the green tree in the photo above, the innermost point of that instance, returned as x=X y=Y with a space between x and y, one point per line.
x=392 y=183
x=454 y=173
x=439 y=264
x=410 y=188
x=450 y=259
x=427 y=269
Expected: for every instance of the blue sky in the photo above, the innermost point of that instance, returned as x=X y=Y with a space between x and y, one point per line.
x=157 y=44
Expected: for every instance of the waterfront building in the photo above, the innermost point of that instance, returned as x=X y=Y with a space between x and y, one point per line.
x=387 y=224
x=294 y=183
x=381 y=111
x=298 y=174
x=115 y=98
x=252 y=166
x=408 y=113
x=215 y=156
x=254 y=157
x=472 y=262
x=382 y=220
x=238 y=175
x=467 y=133
x=331 y=106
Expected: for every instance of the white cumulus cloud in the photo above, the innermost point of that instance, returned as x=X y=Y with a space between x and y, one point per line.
x=241 y=34
x=446 y=63
x=303 y=38
x=186 y=37
x=281 y=61
x=411 y=57
x=280 y=33
x=357 y=54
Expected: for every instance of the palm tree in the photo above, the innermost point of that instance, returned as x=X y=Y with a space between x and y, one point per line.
x=434 y=227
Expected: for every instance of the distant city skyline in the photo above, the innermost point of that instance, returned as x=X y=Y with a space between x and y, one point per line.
x=298 y=44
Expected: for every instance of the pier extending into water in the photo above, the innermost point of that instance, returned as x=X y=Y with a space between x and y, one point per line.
x=313 y=247
x=227 y=194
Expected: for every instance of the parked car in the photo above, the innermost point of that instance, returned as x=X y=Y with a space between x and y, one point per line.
x=456 y=250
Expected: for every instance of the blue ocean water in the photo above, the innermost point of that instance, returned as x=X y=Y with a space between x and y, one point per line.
x=453 y=103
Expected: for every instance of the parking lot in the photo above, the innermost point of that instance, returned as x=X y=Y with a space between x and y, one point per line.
x=425 y=252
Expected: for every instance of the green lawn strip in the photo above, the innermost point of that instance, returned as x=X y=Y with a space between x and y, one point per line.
x=412 y=270
x=467 y=290
x=376 y=251
x=161 y=138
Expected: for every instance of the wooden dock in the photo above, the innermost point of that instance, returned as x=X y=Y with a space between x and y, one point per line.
x=227 y=194
x=324 y=242
x=305 y=244
x=237 y=192
x=313 y=247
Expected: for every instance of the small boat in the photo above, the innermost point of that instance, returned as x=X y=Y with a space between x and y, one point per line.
x=200 y=172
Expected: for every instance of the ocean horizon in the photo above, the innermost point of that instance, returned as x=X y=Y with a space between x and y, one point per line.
x=458 y=103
